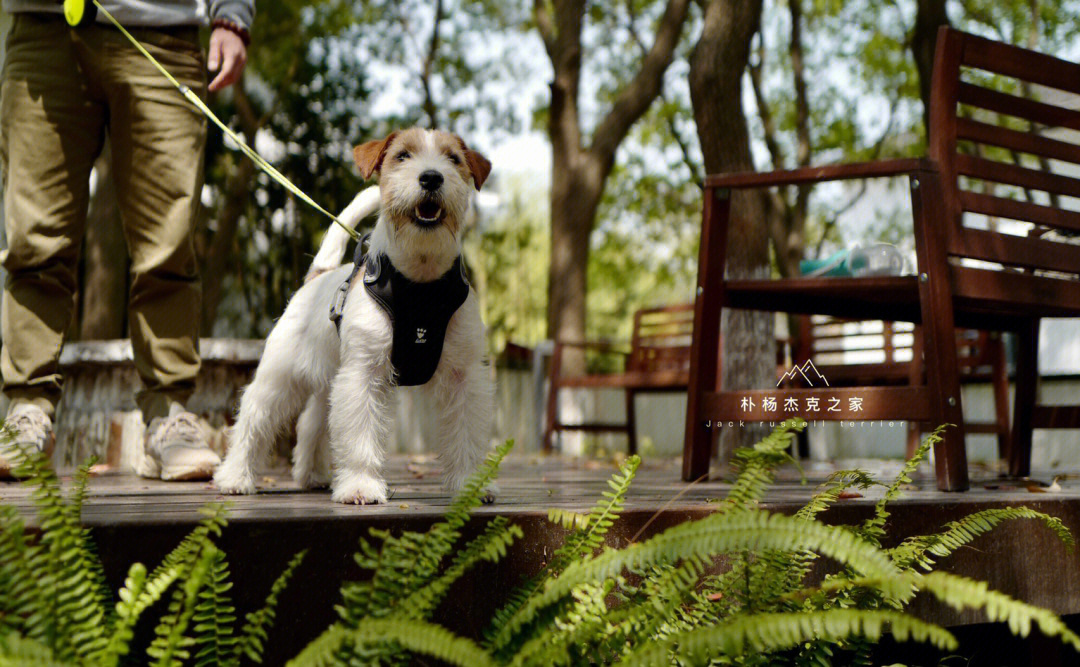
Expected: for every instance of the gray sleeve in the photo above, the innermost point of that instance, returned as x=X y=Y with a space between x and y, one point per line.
x=241 y=12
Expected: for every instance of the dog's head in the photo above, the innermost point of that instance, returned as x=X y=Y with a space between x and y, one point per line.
x=425 y=177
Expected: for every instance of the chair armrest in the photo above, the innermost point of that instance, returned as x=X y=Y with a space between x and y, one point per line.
x=835 y=172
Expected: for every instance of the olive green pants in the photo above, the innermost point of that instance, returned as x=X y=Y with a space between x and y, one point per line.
x=60 y=89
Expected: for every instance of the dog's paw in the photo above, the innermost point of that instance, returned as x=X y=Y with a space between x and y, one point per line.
x=230 y=480
x=359 y=490
x=491 y=491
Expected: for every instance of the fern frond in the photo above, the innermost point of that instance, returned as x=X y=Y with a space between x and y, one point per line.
x=214 y=617
x=917 y=551
x=254 y=633
x=417 y=637
x=755 y=465
x=715 y=534
x=962 y=593
x=874 y=527
x=172 y=642
x=18 y=651
x=578 y=544
x=771 y=632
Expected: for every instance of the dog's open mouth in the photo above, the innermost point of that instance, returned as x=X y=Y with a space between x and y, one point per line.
x=428 y=212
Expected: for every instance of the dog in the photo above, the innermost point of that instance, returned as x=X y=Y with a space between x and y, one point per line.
x=337 y=382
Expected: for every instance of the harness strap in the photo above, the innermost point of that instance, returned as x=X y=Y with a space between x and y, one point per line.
x=337 y=304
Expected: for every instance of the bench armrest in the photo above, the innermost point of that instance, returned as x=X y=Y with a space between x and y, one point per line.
x=610 y=347
x=836 y=172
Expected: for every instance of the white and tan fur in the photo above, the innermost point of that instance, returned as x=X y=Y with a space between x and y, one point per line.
x=338 y=385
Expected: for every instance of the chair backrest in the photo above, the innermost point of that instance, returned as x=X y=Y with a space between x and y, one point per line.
x=1005 y=132
x=876 y=352
x=661 y=339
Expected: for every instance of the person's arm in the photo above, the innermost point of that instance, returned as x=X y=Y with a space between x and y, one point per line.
x=231 y=22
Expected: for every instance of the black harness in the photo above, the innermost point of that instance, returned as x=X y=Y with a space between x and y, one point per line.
x=419 y=312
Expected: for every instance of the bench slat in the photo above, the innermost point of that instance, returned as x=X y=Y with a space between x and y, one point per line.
x=1000 y=172
x=1019 y=107
x=1013 y=293
x=999 y=207
x=1024 y=142
x=1028 y=252
x=1020 y=63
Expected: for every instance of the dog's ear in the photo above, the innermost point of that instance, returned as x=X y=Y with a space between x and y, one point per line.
x=369 y=156
x=479 y=166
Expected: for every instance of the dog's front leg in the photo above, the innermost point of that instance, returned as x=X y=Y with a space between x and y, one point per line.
x=360 y=425
x=466 y=407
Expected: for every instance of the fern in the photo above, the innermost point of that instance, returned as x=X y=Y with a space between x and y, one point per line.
x=419 y=637
x=254 y=633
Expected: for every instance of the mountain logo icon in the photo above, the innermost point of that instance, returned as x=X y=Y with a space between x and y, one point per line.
x=807 y=371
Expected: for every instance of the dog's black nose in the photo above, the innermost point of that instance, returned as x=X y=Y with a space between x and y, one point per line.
x=431 y=180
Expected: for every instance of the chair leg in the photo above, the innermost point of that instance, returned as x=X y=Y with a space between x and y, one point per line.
x=1000 y=379
x=631 y=423
x=914 y=434
x=551 y=413
x=1027 y=386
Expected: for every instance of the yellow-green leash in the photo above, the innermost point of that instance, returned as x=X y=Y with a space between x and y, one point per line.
x=75 y=12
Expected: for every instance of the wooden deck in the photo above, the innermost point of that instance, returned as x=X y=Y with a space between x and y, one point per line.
x=141 y=520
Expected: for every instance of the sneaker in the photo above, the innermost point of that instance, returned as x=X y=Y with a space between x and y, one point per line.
x=177 y=448
x=30 y=428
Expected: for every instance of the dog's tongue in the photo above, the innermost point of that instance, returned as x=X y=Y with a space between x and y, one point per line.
x=428 y=210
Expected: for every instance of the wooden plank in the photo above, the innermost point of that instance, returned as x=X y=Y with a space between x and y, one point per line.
x=1023 y=142
x=1000 y=172
x=639 y=379
x=1015 y=294
x=888 y=297
x=835 y=172
x=1013 y=209
x=1010 y=249
x=1018 y=107
x=1020 y=63
x=825 y=404
x=1056 y=416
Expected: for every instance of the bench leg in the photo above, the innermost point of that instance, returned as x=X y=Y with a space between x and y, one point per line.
x=631 y=423
x=1027 y=386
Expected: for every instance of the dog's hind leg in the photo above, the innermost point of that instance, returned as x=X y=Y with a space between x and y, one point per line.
x=269 y=405
x=466 y=406
x=310 y=467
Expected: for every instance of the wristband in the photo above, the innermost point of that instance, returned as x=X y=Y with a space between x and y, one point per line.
x=233 y=27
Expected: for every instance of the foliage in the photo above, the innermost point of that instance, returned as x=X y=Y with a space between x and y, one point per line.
x=735 y=587
x=732 y=588
x=56 y=608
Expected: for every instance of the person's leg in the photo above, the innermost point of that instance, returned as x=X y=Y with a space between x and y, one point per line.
x=51 y=126
x=158 y=139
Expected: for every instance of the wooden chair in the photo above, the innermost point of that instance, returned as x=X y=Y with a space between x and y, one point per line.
x=977 y=278
x=880 y=353
x=658 y=361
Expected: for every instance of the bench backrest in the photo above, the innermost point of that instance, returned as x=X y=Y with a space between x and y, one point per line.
x=1005 y=132
x=661 y=339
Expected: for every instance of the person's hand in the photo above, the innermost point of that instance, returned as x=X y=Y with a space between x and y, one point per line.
x=228 y=55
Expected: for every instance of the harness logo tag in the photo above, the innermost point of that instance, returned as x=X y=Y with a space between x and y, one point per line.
x=420 y=333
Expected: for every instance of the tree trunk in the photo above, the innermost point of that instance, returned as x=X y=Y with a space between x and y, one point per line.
x=716 y=69
x=579 y=171
x=103 y=311
x=929 y=16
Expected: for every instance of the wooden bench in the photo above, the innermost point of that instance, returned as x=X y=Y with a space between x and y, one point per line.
x=968 y=274
x=851 y=353
x=658 y=360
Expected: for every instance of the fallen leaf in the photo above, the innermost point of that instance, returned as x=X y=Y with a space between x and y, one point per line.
x=404 y=506
x=716 y=596
x=844 y=495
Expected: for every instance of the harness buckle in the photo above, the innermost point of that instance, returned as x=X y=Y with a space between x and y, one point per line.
x=337 y=306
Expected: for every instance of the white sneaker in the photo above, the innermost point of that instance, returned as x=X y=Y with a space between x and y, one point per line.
x=177 y=448
x=30 y=428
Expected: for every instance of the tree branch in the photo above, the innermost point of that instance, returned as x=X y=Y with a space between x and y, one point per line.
x=636 y=97
x=544 y=26
x=429 y=62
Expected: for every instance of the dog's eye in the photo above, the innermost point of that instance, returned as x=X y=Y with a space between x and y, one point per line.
x=454 y=158
x=403 y=155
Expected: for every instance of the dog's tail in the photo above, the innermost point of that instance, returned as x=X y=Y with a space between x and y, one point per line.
x=337 y=239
